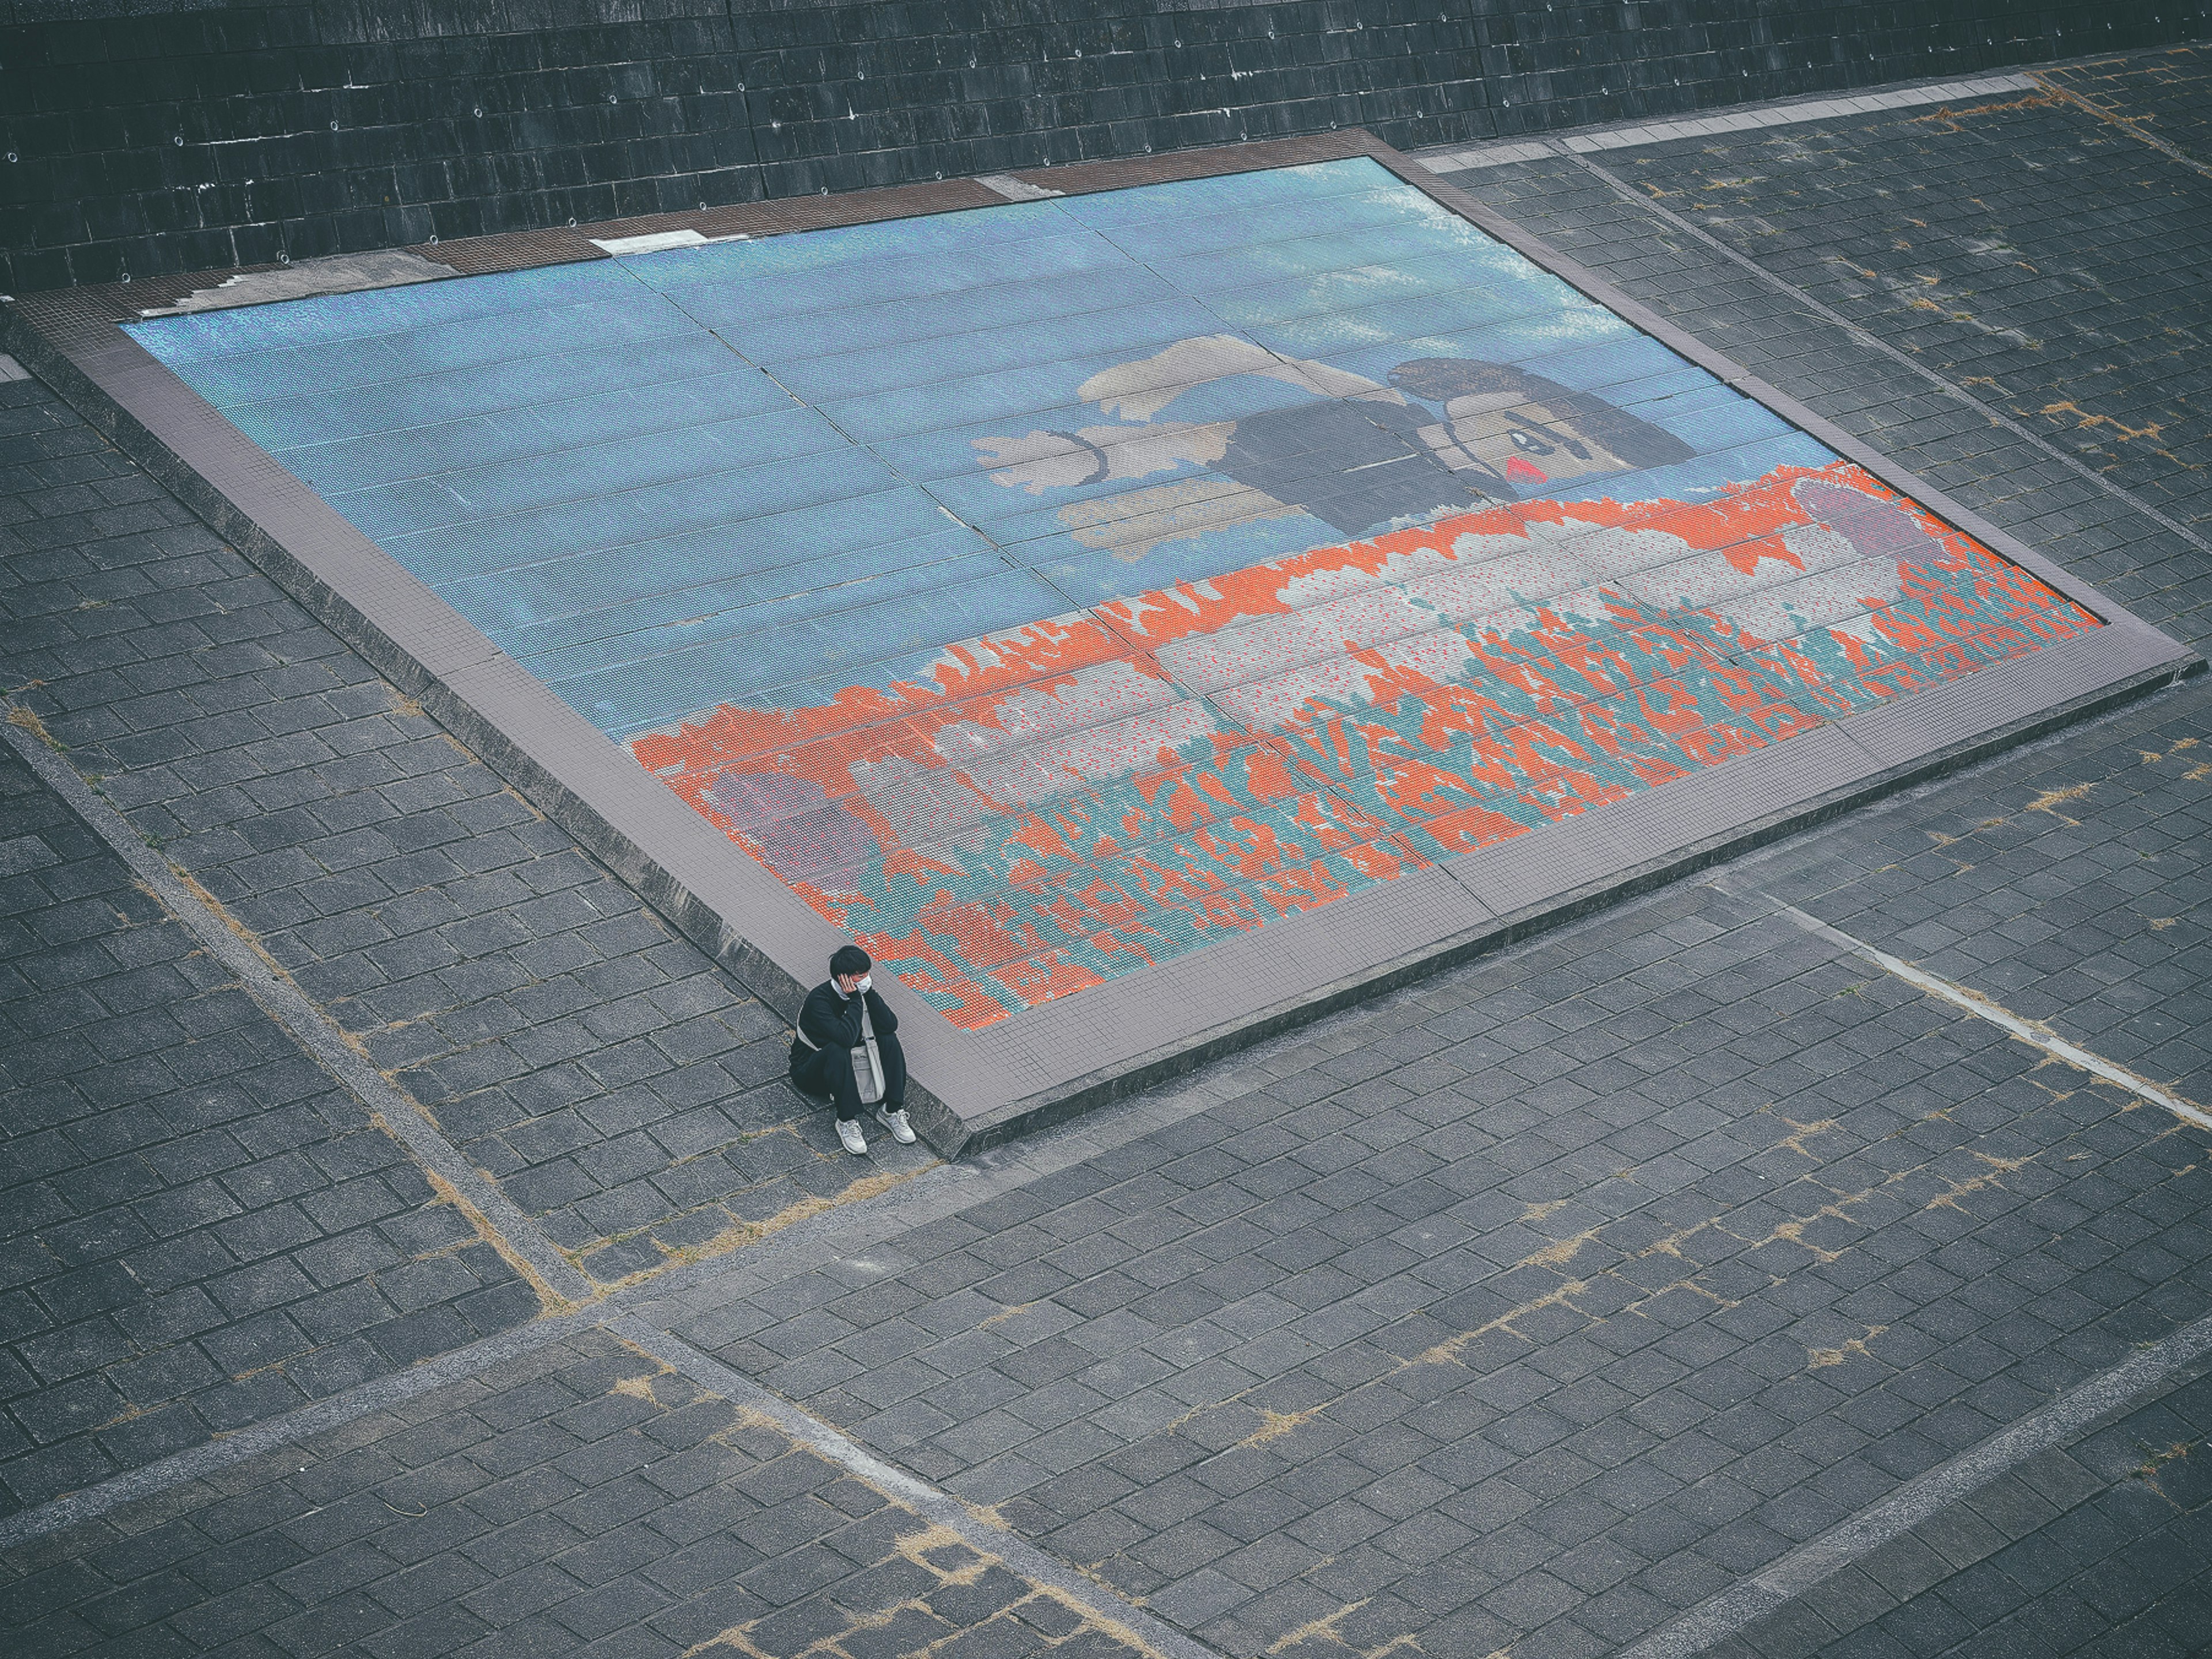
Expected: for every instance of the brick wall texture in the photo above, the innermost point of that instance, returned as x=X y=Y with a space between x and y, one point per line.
x=143 y=136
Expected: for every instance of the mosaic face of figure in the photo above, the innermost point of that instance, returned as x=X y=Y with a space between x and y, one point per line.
x=1529 y=444
x=1529 y=434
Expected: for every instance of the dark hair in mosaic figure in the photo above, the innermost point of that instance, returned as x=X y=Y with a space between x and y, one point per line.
x=1505 y=435
x=1445 y=433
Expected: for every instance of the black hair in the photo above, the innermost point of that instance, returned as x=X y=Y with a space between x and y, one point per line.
x=1636 y=440
x=848 y=959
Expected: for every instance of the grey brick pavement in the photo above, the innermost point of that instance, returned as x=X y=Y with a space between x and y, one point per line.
x=618 y=1086
x=2077 y=892
x=2037 y=256
x=580 y=1499
x=1521 y=1309
x=201 y=1229
x=1537 y=1308
x=2159 y=96
x=2102 y=1549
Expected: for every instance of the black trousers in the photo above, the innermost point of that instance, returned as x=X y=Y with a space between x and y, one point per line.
x=827 y=1074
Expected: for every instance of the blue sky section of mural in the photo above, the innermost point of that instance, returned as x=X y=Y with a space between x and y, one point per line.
x=1042 y=590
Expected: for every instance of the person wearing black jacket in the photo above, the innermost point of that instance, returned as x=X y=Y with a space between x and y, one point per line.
x=829 y=1030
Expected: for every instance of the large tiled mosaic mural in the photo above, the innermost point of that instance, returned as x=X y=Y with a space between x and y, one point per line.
x=1043 y=591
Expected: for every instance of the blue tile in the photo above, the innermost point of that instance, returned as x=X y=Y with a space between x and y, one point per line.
x=641 y=515
x=941 y=366
x=539 y=427
x=799 y=336
x=875 y=646
x=766 y=606
x=468 y=492
x=1088 y=576
x=635 y=316
x=912 y=243
x=1700 y=479
x=208 y=336
x=1312 y=184
x=738 y=304
x=548 y=597
x=330 y=415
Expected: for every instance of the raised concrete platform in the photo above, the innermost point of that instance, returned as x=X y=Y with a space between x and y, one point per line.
x=1223 y=586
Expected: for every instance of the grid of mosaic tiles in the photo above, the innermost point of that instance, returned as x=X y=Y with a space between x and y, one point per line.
x=1043 y=591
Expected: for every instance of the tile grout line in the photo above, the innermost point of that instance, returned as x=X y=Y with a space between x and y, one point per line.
x=828 y=1234
x=285 y=1003
x=2035 y=1033
x=923 y=1200
x=1860 y=333
x=989 y=1537
x=2127 y=124
x=1925 y=1496
x=805 y=1247
x=334 y=1411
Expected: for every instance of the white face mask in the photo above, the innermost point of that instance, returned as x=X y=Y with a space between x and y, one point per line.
x=862 y=983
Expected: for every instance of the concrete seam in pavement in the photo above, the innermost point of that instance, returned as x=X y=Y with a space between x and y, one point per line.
x=2125 y=124
x=2033 y=1032
x=1744 y=1603
x=987 y=1536
x=802 y=1248
x=945 y=1190
x=528 y=1249
x=334 y=1411
x=1627 y=192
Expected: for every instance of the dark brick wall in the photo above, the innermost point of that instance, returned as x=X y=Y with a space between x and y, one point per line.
x=158 y=135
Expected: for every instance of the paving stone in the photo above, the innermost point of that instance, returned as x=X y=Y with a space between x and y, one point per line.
x=2117 y=1570
x=603 y=1068
x=1637 y=1343
x=202 y=1228
x=468 y=1521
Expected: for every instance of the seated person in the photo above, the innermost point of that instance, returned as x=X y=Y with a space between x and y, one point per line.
x=829 y=1031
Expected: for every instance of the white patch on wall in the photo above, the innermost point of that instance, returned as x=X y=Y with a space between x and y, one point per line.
x=342 y=273
x=659 y=241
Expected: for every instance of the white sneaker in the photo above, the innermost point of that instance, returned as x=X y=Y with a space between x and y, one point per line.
x=848 y=1131
x=901 y=1131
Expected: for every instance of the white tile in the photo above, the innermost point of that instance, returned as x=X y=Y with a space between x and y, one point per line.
x=651 y=244
x=1014 y=190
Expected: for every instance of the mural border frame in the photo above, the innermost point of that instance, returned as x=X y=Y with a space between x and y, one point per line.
x=975 y=1089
